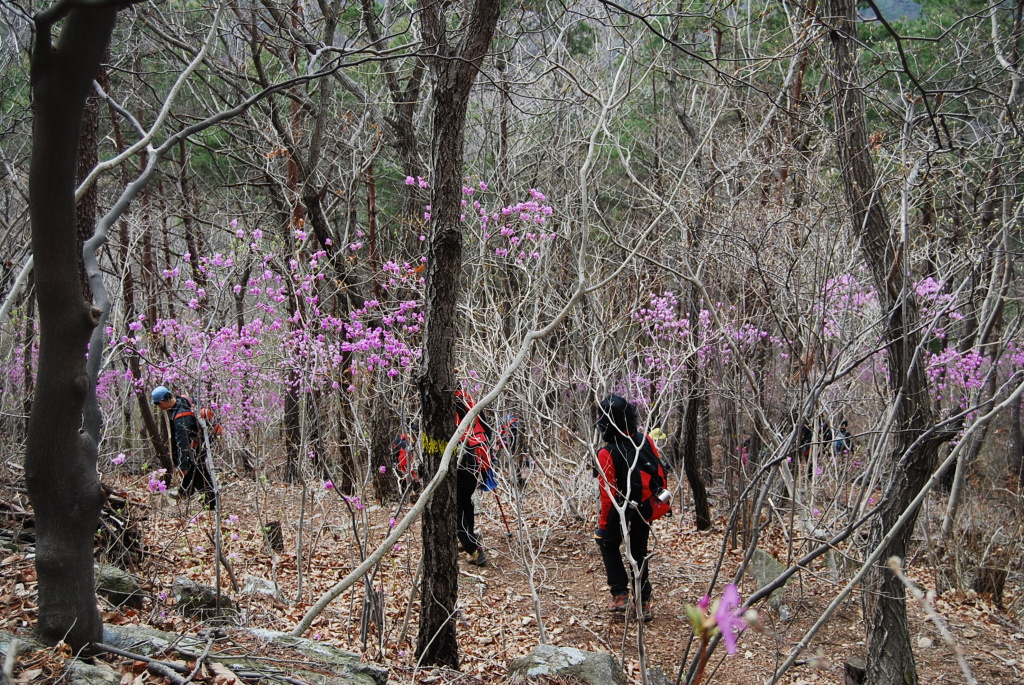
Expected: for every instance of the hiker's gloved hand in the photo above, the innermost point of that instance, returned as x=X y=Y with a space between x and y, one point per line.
x=600 y=537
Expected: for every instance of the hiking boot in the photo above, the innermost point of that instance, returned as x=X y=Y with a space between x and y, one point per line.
x=646 y=612
x=478 y=558
x=618 y=604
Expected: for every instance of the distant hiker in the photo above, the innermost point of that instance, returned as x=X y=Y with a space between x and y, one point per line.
x=508 y=432
x=401 y=451
x=187 y=446
x=474 y=471
x=826 y=430
x=630 y=475
x=843 y=440
x=802 y=454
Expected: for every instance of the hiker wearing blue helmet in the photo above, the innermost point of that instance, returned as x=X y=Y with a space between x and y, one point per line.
x=187 y=447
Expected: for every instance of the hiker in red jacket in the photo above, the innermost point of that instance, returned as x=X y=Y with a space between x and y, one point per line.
x=401 y=450
x=620 y=474
x=187 y=447
x=473 y=471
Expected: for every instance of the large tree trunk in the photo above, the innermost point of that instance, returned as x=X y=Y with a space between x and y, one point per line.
x=890 y=654
x=60 y=459
x=454 y=70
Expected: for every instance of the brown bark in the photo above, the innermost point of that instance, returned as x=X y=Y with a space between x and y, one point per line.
x=193 y=237
x=60 y=459
x=28 y=343
x=132 y=359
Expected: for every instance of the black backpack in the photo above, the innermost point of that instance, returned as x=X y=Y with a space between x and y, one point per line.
x=647 y=475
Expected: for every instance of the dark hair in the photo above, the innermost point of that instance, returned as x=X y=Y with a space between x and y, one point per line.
x=618 y=414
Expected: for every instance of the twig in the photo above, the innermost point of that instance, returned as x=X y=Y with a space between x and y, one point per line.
x=412 y=599
x=13 y=647
x=202 y=658
x=167 y=671
x=184 y=670
x=225 y=563
x=250 y=675
x=1006 y=623
x=925 y=600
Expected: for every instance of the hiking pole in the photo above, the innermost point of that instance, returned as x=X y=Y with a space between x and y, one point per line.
x=508 y=531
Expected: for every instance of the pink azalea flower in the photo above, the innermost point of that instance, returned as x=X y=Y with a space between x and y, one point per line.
x=729 y=617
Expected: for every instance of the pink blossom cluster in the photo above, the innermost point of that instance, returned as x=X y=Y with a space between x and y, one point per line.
x=846 y=302
x=520 y=230
x=954 y=374
x=934 y=303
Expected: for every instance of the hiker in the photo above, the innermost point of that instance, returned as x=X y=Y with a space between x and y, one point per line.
x=843 y=439
x=802 y=454
x=187 y=447
x=473 y=471
x=628 y=463
x=400 y=458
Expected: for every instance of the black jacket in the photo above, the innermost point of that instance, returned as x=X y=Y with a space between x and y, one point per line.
x=185 y=434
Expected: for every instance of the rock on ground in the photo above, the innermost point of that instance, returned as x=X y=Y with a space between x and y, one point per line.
x=596 y=668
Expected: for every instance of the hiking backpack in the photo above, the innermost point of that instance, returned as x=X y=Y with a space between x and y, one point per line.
x=205 y=419
x=476 y=441
x=647 y=476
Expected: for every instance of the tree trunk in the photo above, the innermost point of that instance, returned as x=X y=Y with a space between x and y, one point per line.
x=292 y=428
x=383 y=429
x=193 y=238
x=131 y=357
x=88 y=156
x=454 y=70
x=28 y=345
x=890 y=654
x=691 y=427
x=60 y=459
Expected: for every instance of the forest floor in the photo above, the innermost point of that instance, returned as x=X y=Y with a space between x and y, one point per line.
x=497 y=621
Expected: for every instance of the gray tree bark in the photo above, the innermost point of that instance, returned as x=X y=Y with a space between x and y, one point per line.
x=890 y=654
x=454 y=69
x=60 y=458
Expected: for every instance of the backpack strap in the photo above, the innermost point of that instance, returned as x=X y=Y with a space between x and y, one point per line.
x=184 y=412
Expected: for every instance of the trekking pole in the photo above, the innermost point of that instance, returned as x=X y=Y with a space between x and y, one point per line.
x=508 y=531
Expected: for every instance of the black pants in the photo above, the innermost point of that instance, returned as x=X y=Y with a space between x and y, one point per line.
x=196 y=478
x=465 y=486
x=614 y=567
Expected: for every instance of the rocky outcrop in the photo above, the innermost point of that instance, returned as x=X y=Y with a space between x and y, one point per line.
x=333 y=666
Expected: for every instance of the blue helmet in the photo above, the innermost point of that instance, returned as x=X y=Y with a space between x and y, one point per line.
x=160 y=393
